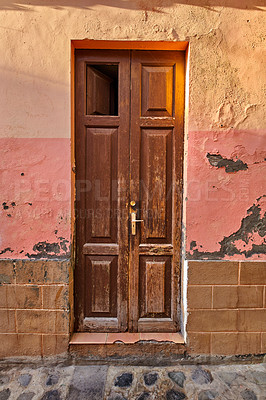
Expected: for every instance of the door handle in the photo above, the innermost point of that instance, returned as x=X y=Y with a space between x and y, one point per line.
x=134 y=220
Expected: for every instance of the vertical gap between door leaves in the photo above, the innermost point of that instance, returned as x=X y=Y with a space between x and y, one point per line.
x=130 y=323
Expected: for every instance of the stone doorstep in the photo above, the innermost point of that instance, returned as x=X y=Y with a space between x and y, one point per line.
x=126 y=338
x=127 y=347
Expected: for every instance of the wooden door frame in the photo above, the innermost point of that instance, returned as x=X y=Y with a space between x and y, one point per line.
x=88 y=44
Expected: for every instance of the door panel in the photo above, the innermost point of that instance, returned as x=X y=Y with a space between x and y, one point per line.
x=102 y=191
x=157 y=90
x=155 y=287
x=129 y=146
x=101 y=275
x=156 y=169
x=155 y=184
x=98 y=83
x=101 y=172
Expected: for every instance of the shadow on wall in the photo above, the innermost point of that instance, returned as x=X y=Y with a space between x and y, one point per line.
x=145 y=5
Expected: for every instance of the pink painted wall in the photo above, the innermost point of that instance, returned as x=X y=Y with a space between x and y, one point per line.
x=35 y=198
x=225 y=115
x=226 y=206
x=36 y=190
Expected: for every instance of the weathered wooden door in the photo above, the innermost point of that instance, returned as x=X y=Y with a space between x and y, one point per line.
x=129 y=147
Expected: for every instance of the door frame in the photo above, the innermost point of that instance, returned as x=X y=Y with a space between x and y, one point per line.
x=110 y=45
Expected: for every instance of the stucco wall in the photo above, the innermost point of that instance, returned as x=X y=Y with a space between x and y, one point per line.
x=225 y=115
x=225 y=158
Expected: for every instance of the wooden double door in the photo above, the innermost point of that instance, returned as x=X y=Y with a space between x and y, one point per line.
x=129 y=148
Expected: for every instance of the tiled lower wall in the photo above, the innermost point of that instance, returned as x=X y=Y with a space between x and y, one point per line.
x=34 y=307
x=226 y=307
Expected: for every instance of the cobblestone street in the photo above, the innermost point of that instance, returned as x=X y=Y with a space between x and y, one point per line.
x=101 y=382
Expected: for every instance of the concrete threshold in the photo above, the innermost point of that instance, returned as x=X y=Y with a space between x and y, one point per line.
x=126 y=338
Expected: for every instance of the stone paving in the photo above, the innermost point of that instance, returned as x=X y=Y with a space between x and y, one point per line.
x=102 y=382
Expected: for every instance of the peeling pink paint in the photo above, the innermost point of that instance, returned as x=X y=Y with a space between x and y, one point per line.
x=36 y=190
x=218 y=201
x=35 y=196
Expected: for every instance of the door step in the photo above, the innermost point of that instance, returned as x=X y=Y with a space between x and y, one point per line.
x=126 y=338
x=129 y=348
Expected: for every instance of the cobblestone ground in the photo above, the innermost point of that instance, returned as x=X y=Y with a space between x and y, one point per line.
x=101 y=382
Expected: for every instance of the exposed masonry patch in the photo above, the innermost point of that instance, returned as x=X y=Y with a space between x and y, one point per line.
x=51 y=250
x=6 y=250
x=193 y=244
x=63 y=243
x=6 y=206
x=216 y=160
x=242 y=242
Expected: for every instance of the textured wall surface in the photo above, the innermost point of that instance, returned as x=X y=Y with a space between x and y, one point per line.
x=226 y=195
x=227 y=307
x=225 y=150
x=35 y=192
x=34 y=307
x=225 y=117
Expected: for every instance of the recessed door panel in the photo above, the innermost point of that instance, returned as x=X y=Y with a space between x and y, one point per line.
x=155 y=184
x=101 y=291
x=101 y=174
x=157 y=90
x=155 y=287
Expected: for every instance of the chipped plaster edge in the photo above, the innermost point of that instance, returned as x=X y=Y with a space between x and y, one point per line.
x=184 y=263
x=184 y=313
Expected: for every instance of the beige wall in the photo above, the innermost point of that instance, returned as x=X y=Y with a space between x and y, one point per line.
x=227 y=75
